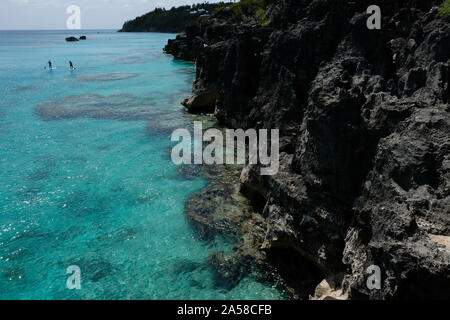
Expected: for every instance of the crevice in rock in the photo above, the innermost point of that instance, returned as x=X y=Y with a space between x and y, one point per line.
x=300 y=273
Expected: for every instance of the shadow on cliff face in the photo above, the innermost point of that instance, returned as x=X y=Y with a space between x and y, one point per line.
x=421 y=285
x=302 y=275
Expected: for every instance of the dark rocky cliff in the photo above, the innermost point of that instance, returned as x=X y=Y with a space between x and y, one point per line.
x=364 y=121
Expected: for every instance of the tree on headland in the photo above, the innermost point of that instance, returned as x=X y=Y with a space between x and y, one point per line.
x=445 y=9
x=247 y=8
x=174 y=20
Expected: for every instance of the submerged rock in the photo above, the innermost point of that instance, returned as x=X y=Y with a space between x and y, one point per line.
x=219 y=210
x=106 y=77
x=229 y=269
x=216 y=209
x=120 y=107
x=131 y=59
x=95 y=267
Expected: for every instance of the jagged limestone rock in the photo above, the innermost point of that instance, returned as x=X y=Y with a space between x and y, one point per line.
x=364 y=122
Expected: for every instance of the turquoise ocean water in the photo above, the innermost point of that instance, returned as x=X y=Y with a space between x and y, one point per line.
x=86 y=176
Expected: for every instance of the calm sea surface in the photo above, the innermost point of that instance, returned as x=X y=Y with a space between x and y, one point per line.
x=86 y=177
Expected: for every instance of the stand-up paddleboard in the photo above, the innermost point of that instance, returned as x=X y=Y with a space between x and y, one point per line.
x=50 y=69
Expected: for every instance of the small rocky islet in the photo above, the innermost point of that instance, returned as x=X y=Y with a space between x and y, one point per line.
x=75 y=39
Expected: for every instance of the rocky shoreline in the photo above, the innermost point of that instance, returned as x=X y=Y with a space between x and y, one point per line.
x=221 y=210
x=364 y=122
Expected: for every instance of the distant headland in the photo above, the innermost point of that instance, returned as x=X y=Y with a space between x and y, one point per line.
x=173 y=20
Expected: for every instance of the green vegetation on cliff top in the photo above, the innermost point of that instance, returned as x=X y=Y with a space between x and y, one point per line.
x=174 y=20
x=445 y=9
x=178 y=18
x=247 y=8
